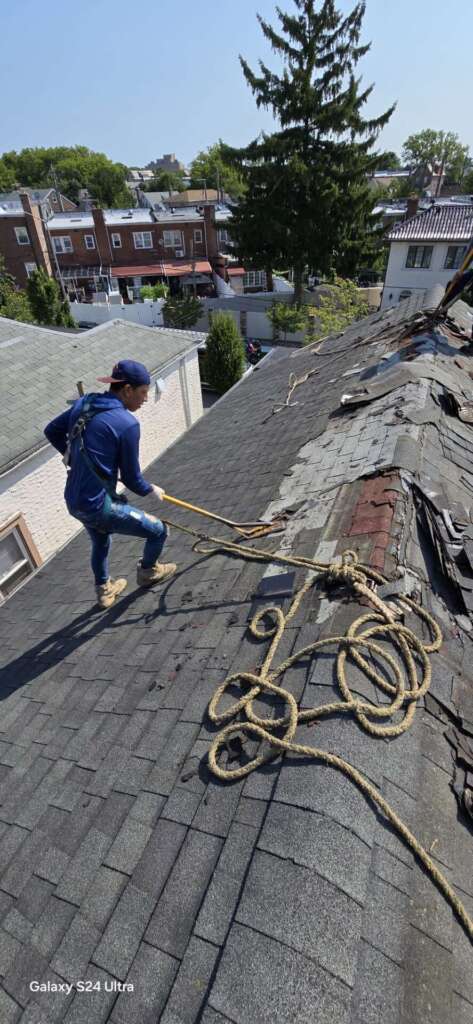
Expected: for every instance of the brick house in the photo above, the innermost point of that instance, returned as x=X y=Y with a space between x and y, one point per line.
x=110 y=250
x=24 y=242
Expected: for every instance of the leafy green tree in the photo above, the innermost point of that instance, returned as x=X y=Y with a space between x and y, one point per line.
x=289 y=319
x=7 y=177
x=15 y=306
x=165 y=181
x=389 y=161
x=340 y=306
x=210 y=166
x=75 y=167
x=437 y=148
x=47 y=304
x=224 y=360
x=154 y=291
x=182 y=312
x=308 y=201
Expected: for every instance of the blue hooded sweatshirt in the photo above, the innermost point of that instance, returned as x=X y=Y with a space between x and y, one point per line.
x=111 y=439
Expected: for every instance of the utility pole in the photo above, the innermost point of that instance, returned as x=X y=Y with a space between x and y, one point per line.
x=56 y=188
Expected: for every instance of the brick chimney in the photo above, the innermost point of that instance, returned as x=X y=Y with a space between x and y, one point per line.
x=34 y=227
x=210 y=232
x=412 y=206
x=102 y=240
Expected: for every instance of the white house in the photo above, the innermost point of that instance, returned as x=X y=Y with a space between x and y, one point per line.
x=39 y=371
x=427 y=249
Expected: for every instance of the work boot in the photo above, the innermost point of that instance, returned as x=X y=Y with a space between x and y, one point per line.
x=157 y=573
x=108 y=592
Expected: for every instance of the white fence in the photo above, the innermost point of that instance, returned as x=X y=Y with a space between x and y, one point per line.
x=147 y=313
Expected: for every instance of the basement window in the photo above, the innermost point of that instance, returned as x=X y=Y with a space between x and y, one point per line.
x=18 y=556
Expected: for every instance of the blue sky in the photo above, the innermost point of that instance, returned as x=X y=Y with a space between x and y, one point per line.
x=137 y=80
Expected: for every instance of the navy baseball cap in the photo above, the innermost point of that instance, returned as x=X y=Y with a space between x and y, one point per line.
x=127 y=371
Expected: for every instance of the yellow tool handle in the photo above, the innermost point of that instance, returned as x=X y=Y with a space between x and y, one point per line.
x=195 y=508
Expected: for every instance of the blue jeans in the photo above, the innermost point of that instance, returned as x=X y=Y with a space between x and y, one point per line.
x=133 y=522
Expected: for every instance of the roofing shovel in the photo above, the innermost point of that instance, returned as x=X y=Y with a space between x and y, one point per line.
x=246 y=530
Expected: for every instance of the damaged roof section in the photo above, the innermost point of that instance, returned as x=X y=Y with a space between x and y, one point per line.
x=283 y=897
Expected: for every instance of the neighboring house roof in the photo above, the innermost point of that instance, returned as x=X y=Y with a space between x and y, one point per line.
x=284 y=897
x=39 y=370
x=196 y=195
x=84 y=219
x=442 y=222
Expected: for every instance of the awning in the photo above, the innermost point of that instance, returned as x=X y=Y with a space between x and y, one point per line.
x=151 y=270
x=172 y=268
x=236 y=271
x=177 y=268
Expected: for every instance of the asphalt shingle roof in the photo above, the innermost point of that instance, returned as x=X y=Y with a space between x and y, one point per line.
x=39 y=370
x=282 y=897
x=441 y=223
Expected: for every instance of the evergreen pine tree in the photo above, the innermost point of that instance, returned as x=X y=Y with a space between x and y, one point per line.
x=224 y=353
x=308 y=202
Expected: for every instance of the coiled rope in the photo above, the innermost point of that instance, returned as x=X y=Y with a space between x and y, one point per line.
x=277 y=734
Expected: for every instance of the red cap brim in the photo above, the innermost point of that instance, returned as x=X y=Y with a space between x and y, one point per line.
x=111 y=380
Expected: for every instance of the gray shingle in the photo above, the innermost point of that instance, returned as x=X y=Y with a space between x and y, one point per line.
x=93 y=1006
x=52 y=926
x=151 y=974
x=9 y=1009
x=24 y=862
x=283 y=900
x=173 y=919
x=190 y=986
x=128 y=846
x=9 y=949
x=153 y=868
x=17 y=925
x=124 y=932
x=318 y=842
x=281 y=987
x=25 y=968
x=76 y=949
x=181 y=806
x=102 y=896
x=224 y=890
x=83 y=867
x=378 y=990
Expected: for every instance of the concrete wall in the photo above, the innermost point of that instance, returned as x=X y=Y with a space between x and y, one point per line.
x=399 y=278
x=35 y=488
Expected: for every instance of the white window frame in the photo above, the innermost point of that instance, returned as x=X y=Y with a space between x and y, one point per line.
x=87 y=239
x=169 y=239
x=30 y=268
x=254 y=279
x=139 y=239
x=117 y=240
x=31 y=557
x=22 y=241
x=62 y=244
x=223 y=235
x=198 y=236
x=458 y=259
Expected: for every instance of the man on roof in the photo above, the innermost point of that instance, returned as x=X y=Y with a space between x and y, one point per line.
x=99 y=438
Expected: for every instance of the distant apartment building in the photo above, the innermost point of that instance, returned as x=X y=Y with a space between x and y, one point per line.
x=167 y=162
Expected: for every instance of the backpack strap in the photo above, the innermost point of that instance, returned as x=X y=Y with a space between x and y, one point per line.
x=87 y=413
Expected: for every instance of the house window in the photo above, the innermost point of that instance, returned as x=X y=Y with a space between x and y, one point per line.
x=18 y=556
x=143 y=239
x=172 y=240
x=89 y=241
x=116 y=241
x=254 y=279
x=223 y=235
x=419 y=257
x=455 y=256
x=22 y=236
x=198 y=236
x=30 y=268
x=62 y=243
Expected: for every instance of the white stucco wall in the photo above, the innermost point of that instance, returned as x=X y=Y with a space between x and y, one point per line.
x=35 y=487
x=399 y=278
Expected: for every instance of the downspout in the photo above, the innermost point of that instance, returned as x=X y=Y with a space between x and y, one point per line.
x=185 y=391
